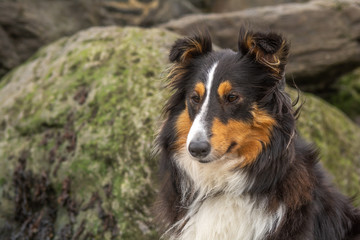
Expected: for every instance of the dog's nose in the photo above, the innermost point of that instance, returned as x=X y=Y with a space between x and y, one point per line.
x=199 y=149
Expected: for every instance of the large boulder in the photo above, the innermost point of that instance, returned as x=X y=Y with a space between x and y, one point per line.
x=25 y=26
x=77 y=123
x=76 y=130
x=324 y=35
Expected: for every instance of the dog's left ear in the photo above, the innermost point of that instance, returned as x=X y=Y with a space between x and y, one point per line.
x=190 y=47
x=269 y=49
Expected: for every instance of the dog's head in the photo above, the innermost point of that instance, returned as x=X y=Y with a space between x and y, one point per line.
x=223 y=103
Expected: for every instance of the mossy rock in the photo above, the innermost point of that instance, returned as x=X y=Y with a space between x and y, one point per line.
x=77 y=123
x=81 y=114
x=346 y=94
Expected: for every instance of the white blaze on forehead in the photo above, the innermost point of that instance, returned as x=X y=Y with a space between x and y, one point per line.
x=198 y=128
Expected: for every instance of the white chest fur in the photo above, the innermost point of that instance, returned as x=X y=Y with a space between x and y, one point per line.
x=229 y=218
x=232 y=215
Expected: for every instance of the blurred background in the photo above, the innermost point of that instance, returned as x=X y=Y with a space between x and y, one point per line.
x=81 y=91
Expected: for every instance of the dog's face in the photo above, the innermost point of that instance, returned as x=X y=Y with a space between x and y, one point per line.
x=223 y=96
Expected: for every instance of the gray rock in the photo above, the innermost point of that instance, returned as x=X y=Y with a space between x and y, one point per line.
x=25 y=26
x=325 y=35
x=9 y=57
x=235 y=5
x=77 y=123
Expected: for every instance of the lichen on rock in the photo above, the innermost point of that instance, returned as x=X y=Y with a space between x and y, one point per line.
x=84 y=110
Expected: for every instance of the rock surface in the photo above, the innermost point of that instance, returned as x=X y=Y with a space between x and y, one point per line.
x=76 y=129
x=27 y=25
x=345 y=94
x=324 y=35
x=235 y=5
x=77 y=123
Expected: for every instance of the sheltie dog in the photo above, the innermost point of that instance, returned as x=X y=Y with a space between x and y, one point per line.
x=232 y=166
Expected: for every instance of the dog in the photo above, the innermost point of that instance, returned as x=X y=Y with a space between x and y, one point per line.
x=232 y=166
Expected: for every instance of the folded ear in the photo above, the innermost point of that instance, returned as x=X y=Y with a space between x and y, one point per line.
x=190 y=47
x=269 y=49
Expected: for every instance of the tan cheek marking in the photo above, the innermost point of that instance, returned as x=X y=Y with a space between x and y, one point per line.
x=247 y=136
x=224 y=88
x=183 y=125
x=200 y=89
x=225 y=134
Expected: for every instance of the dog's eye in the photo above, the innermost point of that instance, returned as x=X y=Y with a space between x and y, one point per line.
x=195 y=99
x=232 y=97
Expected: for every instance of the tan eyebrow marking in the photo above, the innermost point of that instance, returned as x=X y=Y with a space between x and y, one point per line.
x=224 y=88
x=200 y=89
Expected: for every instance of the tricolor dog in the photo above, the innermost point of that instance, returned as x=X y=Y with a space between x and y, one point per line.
x=232 y=165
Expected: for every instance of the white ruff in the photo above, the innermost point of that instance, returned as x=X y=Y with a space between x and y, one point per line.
x=228 y=215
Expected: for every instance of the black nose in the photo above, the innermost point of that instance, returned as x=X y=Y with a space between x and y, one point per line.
x=199 y=149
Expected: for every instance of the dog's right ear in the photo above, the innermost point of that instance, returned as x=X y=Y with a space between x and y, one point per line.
x=269 y=49
x=190 y=47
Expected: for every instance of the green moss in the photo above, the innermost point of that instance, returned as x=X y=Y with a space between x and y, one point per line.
x=2 y=182
x=87 y=114
x=41 y=120
x=347 y=95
